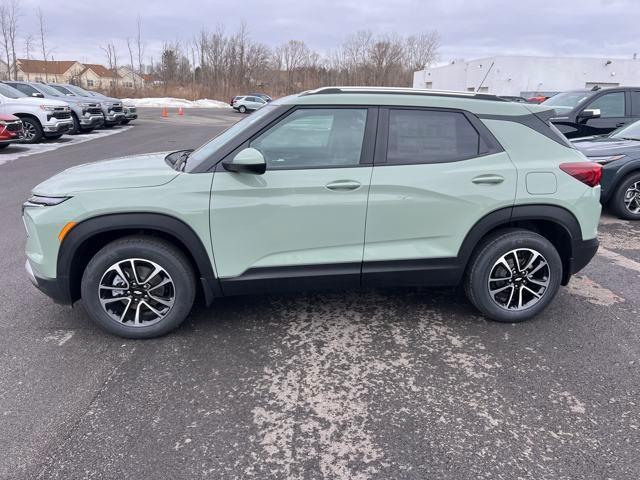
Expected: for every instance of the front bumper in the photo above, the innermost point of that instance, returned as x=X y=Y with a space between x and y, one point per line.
x=52 y=287
x=91 y=120
x=61 y=126
x=114 y=117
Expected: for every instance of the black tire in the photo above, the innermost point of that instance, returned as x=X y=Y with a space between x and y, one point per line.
x=75 y=128
x=3 y=145
x=242 y=109
x=55 y=137
x=163 y=254
x=485 y=260
x=33 y=125
x=617 y=200
x=124 y=122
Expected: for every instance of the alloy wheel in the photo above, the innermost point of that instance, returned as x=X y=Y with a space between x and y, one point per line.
x=519 y=279
x=29 y=131
x=136 y=292
x=632 y=198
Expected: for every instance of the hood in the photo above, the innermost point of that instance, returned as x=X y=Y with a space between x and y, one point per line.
x=603 y=146
x=36 y=102
x=148 y=170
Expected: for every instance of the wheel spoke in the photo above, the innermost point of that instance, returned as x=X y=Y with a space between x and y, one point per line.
x=540 y=265
x=536 y=294
x=166 y=303
x=538 y=282
x=133 y=269
x=520 y=297
x=534 y=256
x=136 y=320
x=155 y=272
x=516 y=261
x=513 y=289
x=162 y=283
x=124 y=312
x=498 y=290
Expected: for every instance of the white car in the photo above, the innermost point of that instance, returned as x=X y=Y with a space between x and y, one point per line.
x=41 y=117
x=248 y=103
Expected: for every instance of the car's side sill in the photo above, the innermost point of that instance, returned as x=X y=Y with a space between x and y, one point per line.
x=431 y=272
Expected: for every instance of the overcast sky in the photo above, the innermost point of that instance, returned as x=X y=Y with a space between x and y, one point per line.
x=469 y=29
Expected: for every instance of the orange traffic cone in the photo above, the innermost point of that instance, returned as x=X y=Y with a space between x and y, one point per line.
x=165 y=112
x=181 y=111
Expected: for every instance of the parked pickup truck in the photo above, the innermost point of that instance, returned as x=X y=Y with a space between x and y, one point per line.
x=10 y=130
x=111 y=107
x=41 y=117
x=86 y=113
x=130 y=111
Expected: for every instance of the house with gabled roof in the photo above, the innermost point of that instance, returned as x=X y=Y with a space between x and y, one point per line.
x=61 y=71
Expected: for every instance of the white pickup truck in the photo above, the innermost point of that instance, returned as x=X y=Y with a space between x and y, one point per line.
x=41 y=117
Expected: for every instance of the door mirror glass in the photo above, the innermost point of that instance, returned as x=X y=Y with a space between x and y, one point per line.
x=248 y=160
x=37 y=95
x=590 y=113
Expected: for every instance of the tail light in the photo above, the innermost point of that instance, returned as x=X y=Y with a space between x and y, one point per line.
x=588 y=173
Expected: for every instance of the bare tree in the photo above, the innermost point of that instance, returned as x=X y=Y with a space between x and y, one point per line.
x=111 y=55
x=43 y=44
x=133 y=70
x=9 y=13
x=422 y=50
x=291 y=57
x=139 y=44
x=28 y=46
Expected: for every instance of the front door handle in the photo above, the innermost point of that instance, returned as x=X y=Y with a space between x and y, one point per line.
x=343 y=185
x=488 y=179
x=620 y=124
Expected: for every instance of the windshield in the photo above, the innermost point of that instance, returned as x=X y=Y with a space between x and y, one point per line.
x=49 y=90
x=10 y=92
x=202 y=153
x=628 y=131
x=566 y=101
x=77 y=90
x=66 y=91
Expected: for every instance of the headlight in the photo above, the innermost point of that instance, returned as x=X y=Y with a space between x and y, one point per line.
x=606 y=159
x=49 y=108
x=41 y=201
x=2 y=123
x=83 y=104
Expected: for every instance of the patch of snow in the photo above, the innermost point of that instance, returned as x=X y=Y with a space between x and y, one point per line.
x=171 y=102
x=18 y=150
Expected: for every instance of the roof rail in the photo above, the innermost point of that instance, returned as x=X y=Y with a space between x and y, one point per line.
x=402 y=91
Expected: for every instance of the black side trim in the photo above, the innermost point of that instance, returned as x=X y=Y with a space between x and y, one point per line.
x=55 y=289
x=291 y=279
x=80 y=236
x=440 y=272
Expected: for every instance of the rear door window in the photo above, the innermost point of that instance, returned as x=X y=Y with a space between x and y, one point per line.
x=430 y=136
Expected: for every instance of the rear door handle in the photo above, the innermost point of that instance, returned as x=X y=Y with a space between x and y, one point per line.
x=620 y=124
x=488 y=179
x=343 y=185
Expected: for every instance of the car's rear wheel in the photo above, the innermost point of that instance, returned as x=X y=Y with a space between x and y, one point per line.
x=138 y=287
x=626 y=199
x=513 y=275
x=32 y=130
x=242 y=109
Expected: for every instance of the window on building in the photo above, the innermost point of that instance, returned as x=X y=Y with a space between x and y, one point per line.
x=38 y=79
x=89 y=83
x=429 y=136
x=610 y=105
x=428 y=85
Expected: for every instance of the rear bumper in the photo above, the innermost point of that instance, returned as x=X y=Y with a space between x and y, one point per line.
x=583 y=252
x=51 y=287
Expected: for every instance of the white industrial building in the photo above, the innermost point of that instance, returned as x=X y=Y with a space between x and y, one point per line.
x=529 y=76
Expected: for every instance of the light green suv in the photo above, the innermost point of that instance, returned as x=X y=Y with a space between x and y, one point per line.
x=338 y=187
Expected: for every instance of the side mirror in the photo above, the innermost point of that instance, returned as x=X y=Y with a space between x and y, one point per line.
x=590 y=113
x=37 y=95
x=248 y=160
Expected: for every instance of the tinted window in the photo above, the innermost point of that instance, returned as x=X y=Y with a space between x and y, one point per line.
x=635 y=104
x=610 y=105
x=314 y=138
x=26 y=89
x=421 y=136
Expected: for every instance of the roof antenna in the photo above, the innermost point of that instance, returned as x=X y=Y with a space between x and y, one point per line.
x=595 y=88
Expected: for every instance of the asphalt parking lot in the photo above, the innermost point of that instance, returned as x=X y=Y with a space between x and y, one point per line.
x=375 y=384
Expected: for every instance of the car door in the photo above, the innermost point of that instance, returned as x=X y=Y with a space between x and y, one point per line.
x=301 y=222
x=437 y=172
x=614 y=113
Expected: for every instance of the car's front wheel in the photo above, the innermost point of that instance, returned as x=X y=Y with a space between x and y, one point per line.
x=242 y=109
x=513 y=275
x=138 y=287
x=32 y=130
x=626 y=199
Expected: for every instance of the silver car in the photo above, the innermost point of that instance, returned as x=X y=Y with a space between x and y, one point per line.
x=248 y=103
